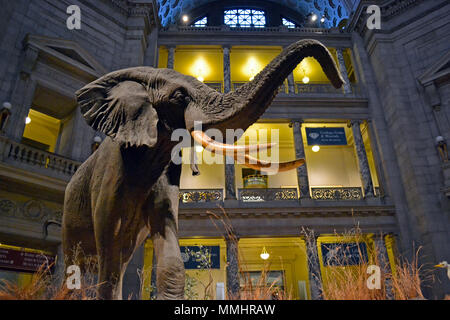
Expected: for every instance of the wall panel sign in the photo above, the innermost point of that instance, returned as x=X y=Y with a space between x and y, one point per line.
x=18 y=260
x=200 y=257
x=326 y=136
x=344 y=254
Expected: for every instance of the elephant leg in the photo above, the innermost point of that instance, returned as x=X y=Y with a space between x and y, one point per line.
x=110 y=242
x=170 y=273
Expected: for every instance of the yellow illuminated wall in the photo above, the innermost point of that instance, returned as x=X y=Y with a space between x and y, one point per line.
x=202 y=62
x=43 y=129
x=286 y=254
x=212 y=175
x=332 y=166
x=206 y=62
x=262 y=133
x=246 y=62
x=162 y=57
x=311 y=68
x=202 y=278
x=370 y=158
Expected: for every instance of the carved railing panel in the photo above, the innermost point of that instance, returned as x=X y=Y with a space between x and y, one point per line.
x=226 y=28
x=324 y=88
x=263 y=194
x=215 y=85
x=200 y=195
x=337 y=193
x=17 y=152
x=235 y=85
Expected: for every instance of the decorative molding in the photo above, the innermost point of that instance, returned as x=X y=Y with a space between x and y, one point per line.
x=284 y=211
x=34 y=210
x=68 y=52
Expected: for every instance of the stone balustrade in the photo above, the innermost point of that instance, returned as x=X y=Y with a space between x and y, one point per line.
x=226 y=28
x=267 y=194
x=20 y=154
x=200 y=195
x=338 y=193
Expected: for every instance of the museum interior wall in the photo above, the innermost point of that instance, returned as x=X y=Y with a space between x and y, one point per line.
x=371 y=154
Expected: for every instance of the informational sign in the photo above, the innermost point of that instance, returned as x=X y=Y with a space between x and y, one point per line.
x=200 y=257
x=326 y=136
x=18 y=260
x=344 y=254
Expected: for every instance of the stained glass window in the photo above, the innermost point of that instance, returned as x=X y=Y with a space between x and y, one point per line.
x=288 y=23
x=201 y=22
x=245 y=18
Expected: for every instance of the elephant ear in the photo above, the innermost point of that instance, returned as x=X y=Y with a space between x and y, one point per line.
x=120 y=108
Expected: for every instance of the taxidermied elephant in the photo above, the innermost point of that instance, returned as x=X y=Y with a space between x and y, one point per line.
x=129 y=187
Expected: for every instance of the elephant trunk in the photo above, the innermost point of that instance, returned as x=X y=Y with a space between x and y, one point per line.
x=243 y=107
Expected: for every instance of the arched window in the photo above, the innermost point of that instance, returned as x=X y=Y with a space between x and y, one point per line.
x=201 y=22
x=245 y=18
x=288 y=23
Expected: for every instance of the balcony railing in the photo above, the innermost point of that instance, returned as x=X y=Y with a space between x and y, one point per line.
x=336 y=193
x=236 y=84
x=259 y=195
x=14 y=152
x=226 y=28
x=200 y=195
x=215 y=85
x=324 y=88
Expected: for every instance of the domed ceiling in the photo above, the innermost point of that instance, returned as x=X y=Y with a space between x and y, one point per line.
x=333 y=10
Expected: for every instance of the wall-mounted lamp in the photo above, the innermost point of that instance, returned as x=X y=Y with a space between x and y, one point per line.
x=27 y=120
x=316 y=148
x=264 y=254
x=5 y=113
x=185 y=18
x=96 y=143
x=441 y=145
x=313 y=17
x=199 y=148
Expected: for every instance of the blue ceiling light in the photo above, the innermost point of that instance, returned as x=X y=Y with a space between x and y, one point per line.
x=170 y=11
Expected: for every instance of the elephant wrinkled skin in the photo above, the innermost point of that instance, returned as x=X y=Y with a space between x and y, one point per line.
x=128 y=189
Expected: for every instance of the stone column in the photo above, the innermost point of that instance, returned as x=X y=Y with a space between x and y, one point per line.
x=291 y=83
x=315 y=276
x=343 y=69
x=362 y=159
x=302 y=172
x=383 y=263
x=23 y=93
x=230 y=172
x=233 y=281
x=226 y=69
x=171 y=57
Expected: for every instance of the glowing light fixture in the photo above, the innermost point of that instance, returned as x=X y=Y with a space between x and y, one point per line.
x=27 y=120
x=252 y=68
x=305 y=80
x=185 y=18
x=199 y=148
x=314 y=17
x=200 y=69
x=315 y=148
x=264 y=254
x=322 y=20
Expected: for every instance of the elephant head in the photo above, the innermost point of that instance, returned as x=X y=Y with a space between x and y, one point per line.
x=131 y=104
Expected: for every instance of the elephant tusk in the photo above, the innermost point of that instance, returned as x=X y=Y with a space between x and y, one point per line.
x=221 y=148
x=269 y=167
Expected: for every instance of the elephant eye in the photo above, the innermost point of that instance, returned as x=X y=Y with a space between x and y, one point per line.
x=179 y=96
